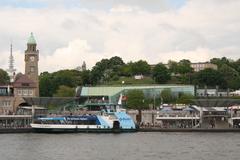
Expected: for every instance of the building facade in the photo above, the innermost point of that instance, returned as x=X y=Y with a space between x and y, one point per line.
x=111 y=94
x=203 y=65
x=22 y=85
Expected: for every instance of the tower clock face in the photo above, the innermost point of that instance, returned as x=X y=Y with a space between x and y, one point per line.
x=32 y=58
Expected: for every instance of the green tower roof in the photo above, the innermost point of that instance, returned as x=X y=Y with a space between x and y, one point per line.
x=31 y=39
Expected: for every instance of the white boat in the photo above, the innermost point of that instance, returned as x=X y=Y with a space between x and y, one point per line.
x=107 y=122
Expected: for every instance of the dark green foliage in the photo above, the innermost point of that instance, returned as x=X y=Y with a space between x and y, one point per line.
x=126 y=70
x=167 y=96
x=85 y=76
x=173 y=66
x=135 y=100
x=230 y=75
x=220 y=61
x=161 y=74
x=106 y=69
x=4 y=78
x=50 y=82
x=185 y=99
x=140 y=67
x=113 y=71
x=64 y=91
x=184 y=67
x=210 y=77
x=46 y=84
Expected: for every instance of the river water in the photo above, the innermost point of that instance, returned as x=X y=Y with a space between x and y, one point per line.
x=127 y=146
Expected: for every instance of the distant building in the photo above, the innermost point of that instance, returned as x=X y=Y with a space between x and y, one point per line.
x=82 y=68
x=203 y=65
x=22 y=85
x=138 y=77
x=196 y=66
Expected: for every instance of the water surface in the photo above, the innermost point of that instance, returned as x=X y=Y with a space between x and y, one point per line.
x=128 y=146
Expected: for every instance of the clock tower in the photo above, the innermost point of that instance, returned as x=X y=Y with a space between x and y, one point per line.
x=31 y=62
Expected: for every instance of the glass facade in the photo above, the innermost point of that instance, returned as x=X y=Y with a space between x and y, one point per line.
x=150 y=91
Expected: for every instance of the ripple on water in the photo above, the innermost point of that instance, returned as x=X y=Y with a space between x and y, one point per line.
x=144 y=146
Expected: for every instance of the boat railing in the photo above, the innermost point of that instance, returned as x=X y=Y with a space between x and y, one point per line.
x=178 y=115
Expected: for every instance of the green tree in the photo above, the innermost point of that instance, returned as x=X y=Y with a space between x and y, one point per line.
x=4 y=78
x=173 y=66
x=106 y=70
x=182 y=70
x=235 y=65
x=220 y=61
x=184 y=67
x=64 y=91
x=167 y=96
x=85 y=76
x=126 y=70
x=209 y=77
x=135 y=100
x=46 y=84
x=50 y=82
x=141 y=67
x=115 y=63
x=231 y=76
x=161 y=74
x=185 y=99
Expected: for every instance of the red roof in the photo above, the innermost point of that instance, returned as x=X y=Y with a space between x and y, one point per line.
x=24 y=82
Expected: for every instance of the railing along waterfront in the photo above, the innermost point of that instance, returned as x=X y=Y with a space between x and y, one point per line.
x=15 y=121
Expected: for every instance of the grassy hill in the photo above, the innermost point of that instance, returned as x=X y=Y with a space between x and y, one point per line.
x=131 y=81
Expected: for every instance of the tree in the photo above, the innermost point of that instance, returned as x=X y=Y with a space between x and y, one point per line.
x=231 y=76
x=210 y=77
x=220 y=61
x=85 y=76
x=173 y=66
x=141 y=67
x=185 y=99
x=126 y=70
x=64 y=91
x=115 y=61
x=184 y=67
x=50 y=82
x=161 y=74
x=167 y=96
x=4 y=78
x=106 y=70
x=135 y=100
x=46 y=84
x=235 y=65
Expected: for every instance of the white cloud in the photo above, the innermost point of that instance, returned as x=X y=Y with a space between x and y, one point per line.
x=198 y=31
x=70 y=56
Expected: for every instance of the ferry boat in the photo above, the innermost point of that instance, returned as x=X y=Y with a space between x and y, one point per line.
x=107 y=122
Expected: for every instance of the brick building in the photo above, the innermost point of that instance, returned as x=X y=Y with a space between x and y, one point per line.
x=21 y=85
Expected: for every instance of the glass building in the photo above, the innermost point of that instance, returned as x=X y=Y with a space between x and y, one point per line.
x=110 y=94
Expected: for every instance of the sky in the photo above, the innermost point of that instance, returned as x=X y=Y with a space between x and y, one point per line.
x=69 y=32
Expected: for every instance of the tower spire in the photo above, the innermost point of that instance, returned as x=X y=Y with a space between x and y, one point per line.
x=11 y=70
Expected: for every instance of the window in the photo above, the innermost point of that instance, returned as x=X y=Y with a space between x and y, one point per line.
x=5 y=103
x=19 y=92
x=30 y=92
x=25 y=92
x=3 y=91
x=32 y=69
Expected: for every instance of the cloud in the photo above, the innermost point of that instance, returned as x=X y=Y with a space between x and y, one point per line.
x=70 y=56
x=67 y=36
